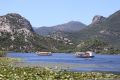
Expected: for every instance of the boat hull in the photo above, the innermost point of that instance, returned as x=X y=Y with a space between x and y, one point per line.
x=85 y=56
x=44 y=53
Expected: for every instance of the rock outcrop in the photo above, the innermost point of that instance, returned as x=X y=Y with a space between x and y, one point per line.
x=14 y=23
x=98 y=19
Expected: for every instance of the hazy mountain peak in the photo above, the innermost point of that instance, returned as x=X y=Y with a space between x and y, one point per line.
x=71 y=26
x=74 y=22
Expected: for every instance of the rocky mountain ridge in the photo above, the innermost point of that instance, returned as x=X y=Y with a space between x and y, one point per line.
x=98 y=19
x=14 y=23
x=107 y=30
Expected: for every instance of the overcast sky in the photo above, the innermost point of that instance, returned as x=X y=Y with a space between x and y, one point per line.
x=53 y=12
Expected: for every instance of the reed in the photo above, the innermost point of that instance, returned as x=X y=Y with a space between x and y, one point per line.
x=3 y=53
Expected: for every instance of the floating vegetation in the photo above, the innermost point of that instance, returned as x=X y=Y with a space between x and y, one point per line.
x=7 y=61
x=27 y=73
x=8 y=72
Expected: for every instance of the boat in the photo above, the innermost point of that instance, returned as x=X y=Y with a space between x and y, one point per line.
x=44 y=53
x=87 y=54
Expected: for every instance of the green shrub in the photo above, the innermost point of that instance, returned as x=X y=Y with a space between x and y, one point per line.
x=3 y=53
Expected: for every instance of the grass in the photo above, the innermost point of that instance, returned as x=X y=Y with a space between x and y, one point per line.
x=8 y=72
x=7 y=61
x=2 y=53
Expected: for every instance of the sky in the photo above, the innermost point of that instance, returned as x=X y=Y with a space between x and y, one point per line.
x=53 y=12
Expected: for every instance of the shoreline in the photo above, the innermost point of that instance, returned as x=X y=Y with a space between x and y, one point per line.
x=72 y=67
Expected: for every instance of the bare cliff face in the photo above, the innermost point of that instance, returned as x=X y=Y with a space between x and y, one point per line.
x=97 y=19
x=14 y=23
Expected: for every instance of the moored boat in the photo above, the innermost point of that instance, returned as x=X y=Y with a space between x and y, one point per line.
x=44 y=53
x=87 y=54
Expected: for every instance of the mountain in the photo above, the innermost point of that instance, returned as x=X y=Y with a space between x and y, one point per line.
x=97 y=20
x=14 y=32
x=71 y=26
x=17 y=34
x=44 y=31
x=106 y=29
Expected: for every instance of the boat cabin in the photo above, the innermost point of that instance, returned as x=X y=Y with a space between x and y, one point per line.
x=44 y=53
x=87 y=54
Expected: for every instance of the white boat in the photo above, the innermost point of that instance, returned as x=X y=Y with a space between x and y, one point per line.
x=87 y=54
x=44 y=53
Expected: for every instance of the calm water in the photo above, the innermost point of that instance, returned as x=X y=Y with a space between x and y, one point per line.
x=102 y=62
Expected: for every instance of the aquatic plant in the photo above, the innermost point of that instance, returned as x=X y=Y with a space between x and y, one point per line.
x=26 y=73
x=10 y=72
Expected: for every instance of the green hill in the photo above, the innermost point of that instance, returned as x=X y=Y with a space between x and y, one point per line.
x=106 y=29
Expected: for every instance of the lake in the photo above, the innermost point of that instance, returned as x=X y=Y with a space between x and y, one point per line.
x=107 y=63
